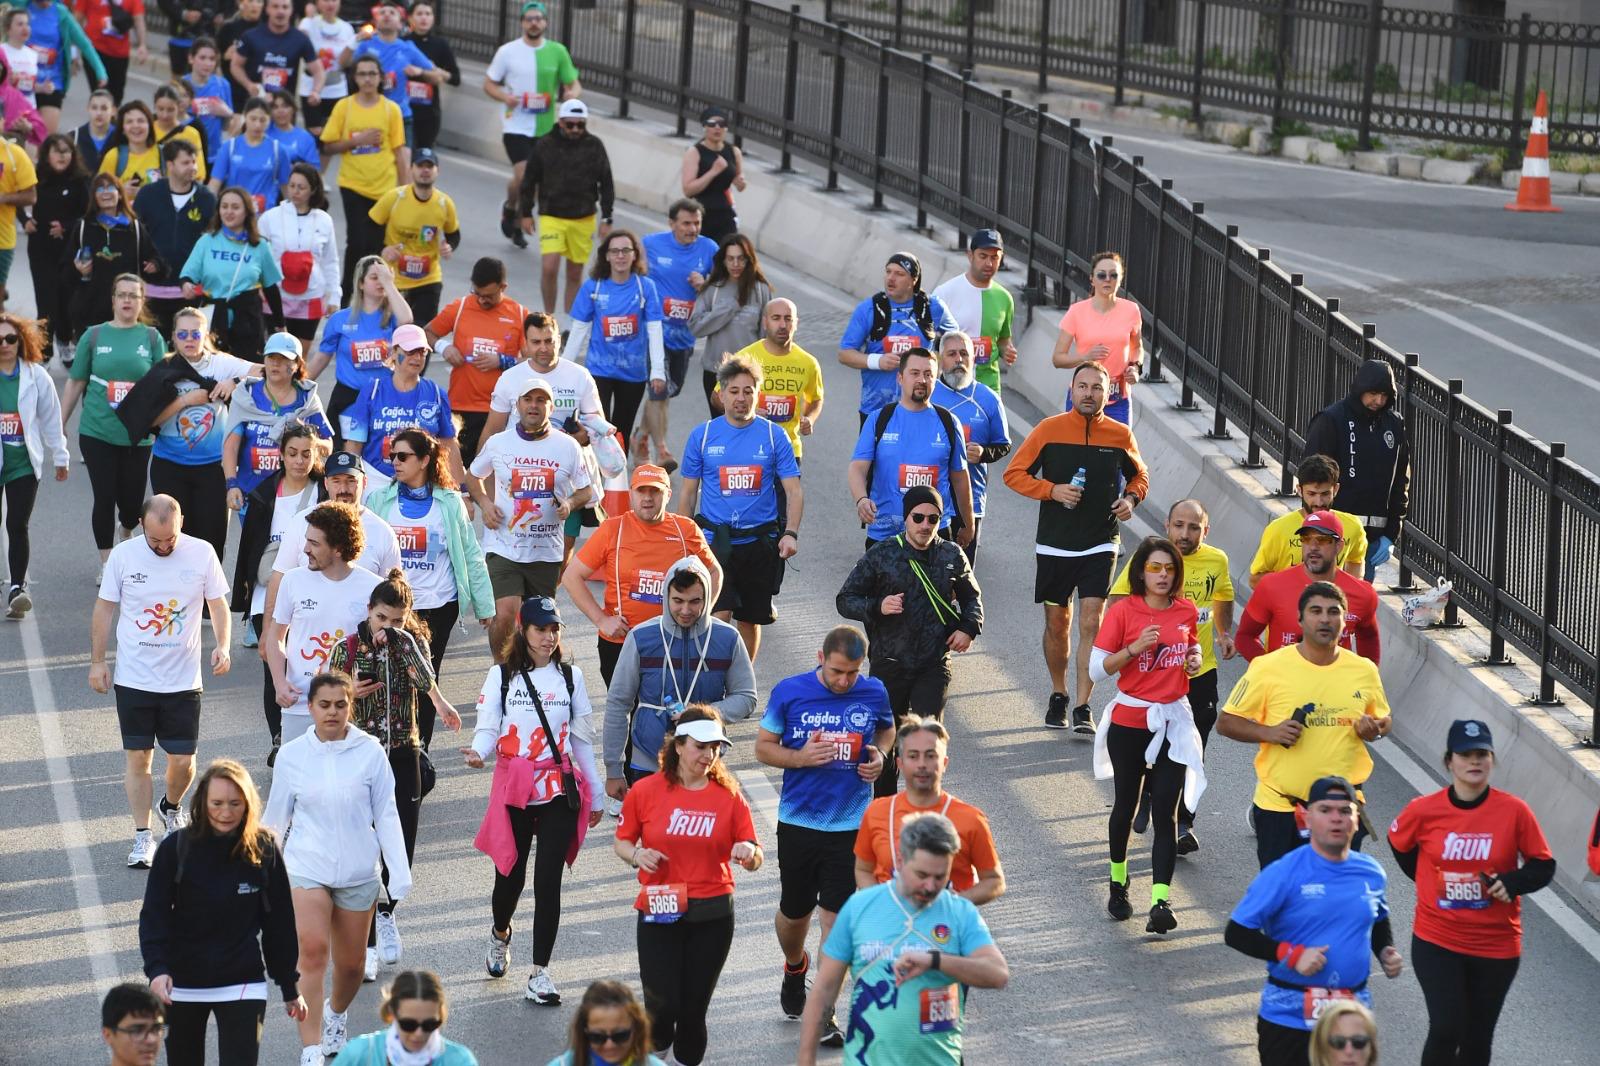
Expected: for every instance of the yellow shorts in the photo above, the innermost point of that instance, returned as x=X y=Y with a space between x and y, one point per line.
x=569 y=237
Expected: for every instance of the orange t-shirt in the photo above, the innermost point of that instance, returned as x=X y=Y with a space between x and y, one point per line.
x=497 y=330
x=632 y=558
x=976 y=854
x=1117 y=329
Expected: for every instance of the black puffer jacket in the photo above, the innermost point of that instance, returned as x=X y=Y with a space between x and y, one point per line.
x=1371 y=449
x=915 y=637
x=566 y=176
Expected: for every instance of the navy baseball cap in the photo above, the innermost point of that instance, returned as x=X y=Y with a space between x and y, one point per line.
x=539 y=611
x=1330 y=788
x=342 y=463
x=986 y=238
x=1469 y=734
x=424 y=155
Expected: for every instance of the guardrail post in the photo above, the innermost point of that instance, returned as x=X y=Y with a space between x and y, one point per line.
x=1219 y=421
x=1186 y=401
x=630 y=14
x=1198 y=72
x=1120 y=74
x=741 y=65
x=880 y=132
x=1044 y=46
x=1041 y=116
x=1552 y=578
x=566 y=21
x=1518 y=104
x=1106 y=144
x=1280 y=60
x=827 y=10
x=1258 y=342
x=1405 y=581
x=1291 y=414
x=1163 y=191
x=924 y=132
x=1452 y=495
x=685 y=65
x=899 y=21
x=971 y=60
x=791 y=71
x=836 y=108
x=502 y=13
x=1002 y=169
x=1502 y=540
x=1070 y=192
x=963 y=181
x=1369 y=70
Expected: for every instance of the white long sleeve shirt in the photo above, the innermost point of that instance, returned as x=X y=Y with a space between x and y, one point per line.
x=337 y=797
x=514 y=730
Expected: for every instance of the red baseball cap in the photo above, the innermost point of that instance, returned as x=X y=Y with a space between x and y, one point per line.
x=1322 y=522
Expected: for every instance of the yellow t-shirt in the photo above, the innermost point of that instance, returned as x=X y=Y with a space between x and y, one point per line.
x=16 y=175
x=790 y=383
x=418 y=227
x=144 y=166
x=192 y=135
x=1205 y=581
x=1280 y=543
x=369 y=171
x=1340 y=693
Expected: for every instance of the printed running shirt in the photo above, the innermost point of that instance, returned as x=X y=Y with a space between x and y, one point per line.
x=382 y=410
x=425 y=557
x=880 y=387
x=319 y=613
x=914 y=450
x=619 y=317
x=671 y=263
x=741 y=472
x=833 y=797
x=160 y=601
x=528 y=476
x=982 y=419
x=515 y=732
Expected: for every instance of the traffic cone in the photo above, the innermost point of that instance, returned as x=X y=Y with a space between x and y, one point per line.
x=1533 y=189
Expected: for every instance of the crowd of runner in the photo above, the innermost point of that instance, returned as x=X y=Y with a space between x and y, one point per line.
x=193 y=287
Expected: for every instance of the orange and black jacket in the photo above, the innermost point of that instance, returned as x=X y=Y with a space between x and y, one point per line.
x=1052 y=454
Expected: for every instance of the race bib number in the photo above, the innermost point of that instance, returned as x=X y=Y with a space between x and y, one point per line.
x=419 y=92
x=206 y=105
x=1461 y=892
x=648 y=586
x=982 y=350
x=846 y=747
x=482 y=346
x=274 y=78
x=388 y=81
x=369 y=355
x=265 y=460
x=532 y=484
x=1317 y=1000
x=415 y=266
x=665 y=903
x=678 y=310
x=10 y=427
x=741 y=480
x=915 y=474
x=619 y=327
x=413 y=541
x=116 y=392
x=901 y=344
x=47 y=56
x=536 y=103
x=24 y=83
x=261 y=202
x=778 y=408
x=940 y=1009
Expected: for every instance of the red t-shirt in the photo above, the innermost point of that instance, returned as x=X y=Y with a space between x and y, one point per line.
x=96 y=18
x=1157 y=674
x=1275 y=607
x=696 y=831
x=1454 y=845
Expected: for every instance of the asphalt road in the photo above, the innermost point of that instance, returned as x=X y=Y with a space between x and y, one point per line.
x=1083 y=989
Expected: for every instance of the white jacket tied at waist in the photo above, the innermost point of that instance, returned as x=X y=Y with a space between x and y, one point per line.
x=1171 y=722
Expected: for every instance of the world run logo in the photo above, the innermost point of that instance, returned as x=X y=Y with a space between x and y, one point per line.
x=684 y=823
x=1467 y=847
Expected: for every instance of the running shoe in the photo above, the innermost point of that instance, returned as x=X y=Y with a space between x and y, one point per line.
x=1082 y=720
x=389 y=947
x=1250 y=818
x=144 y=850
x=68 y=352
x=668 y=462
x=613 y=807
x=499 y=956
x=369 y=972
x=792 y=992
x=518 y=238
x=174 y=817
x=312 y=1056
x=272 y=756
x=1162 y=920
x=335 y=1028
x=249 y=639
x=18 y=603
x=542 y=989
x=1117 y=904
x=832 y=1035
x=1188 y=844
x=1056 y=716
x=1141 y=817
x=508 y=222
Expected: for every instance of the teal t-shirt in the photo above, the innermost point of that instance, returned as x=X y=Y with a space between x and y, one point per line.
x=111 y=358
x=918 y=1023
x=14 y=461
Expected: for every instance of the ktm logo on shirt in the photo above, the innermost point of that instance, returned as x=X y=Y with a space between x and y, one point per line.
x=684 y=823
x=1467 y=847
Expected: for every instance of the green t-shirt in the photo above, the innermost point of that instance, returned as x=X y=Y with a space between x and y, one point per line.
x=533 y=77
x=14 y=461
x=111 y=358
x=986 y=315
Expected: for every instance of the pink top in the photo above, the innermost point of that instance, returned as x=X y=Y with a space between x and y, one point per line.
x=1117 y=329
x=15 y=106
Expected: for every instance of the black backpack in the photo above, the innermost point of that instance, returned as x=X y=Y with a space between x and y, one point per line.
x=505 y=683
x=921 y=310
x=881 y=423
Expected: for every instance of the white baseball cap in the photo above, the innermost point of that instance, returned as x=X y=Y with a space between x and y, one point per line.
x=704 y=730
x=538 y=385
x=573 y=109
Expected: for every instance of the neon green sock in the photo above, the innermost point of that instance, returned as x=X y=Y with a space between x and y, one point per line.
x=1159 y=894
x=1119 y=872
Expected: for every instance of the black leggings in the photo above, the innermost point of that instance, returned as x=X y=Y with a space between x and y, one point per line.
x=116 y=80
x=238 y=1031
x=202 y=493
x=45 y=257
x=362 y=236
x=1203 y=701
x=920 y=692
x=554 y=824
x=408 y=800
x=19 y=497
x=1126 y=747
x=117 y=474
x=425 y=123
x=269 y=694
x=619 y=401
x=679 y=964
x=1464 y=994
x=440 y=620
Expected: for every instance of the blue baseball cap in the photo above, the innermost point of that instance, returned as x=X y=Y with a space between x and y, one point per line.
x=1469 y=734
x=539 y=611
x=342 y=463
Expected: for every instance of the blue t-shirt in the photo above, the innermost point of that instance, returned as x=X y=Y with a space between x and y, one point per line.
x=914 y=450
x=620 y=315
x=259 y=456
x=1304 y=898
x=194 y=435
x=259 y=169
x=224 y=267
x=361 y=349
x=273 y=58
x=671 y=264
x=215 y=87
x=831 y=798
x=879 y=387
x=740 y=471
x=918 y=1023
x=297 y=144
x=381 y=411
x=395 y=56
x=44 y=37
x=983 y=422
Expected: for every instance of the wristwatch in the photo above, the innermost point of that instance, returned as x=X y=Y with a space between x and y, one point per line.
x=937 y=957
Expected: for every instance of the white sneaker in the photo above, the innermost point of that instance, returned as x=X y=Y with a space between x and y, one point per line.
x=175 y=818
x=18 y=603
x=311 y=1056
x=541 y=989
x=370 y=973
x=249 y=638
x=499 y=955
x=613 y=807
x=144 y=850
x=335 y=1031
x=389 y=947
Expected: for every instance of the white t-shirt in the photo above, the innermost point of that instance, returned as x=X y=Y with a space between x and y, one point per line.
x=572 y=384
x=528 y=475
x=380 y=555
x=24 y=64
x=425 y=557
x=515 y=67
x=330 y=41
x=319 y=613
x=162 y=598
x=514 y=730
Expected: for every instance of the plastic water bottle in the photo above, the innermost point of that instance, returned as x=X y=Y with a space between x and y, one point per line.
x=1079 y=480
x=607 y=452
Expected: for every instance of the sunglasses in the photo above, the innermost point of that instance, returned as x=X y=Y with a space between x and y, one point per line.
x=187 y=334
x=1160 y=568
x=1338 y=1042
x=602 y=1036
x=1319 y=539
x=716 y=124
x=8 y=339
x=1101 y=275
x=923 y=518
x=574 y=125
x=395 y=457
x=411 y=1025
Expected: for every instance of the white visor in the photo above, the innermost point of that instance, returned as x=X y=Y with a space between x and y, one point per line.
x=704 y=730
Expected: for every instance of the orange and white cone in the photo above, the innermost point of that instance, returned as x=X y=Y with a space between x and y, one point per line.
x=1533 y=189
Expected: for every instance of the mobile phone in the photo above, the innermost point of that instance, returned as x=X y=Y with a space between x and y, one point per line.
x=366 y=675
x=85 y=253
x=1300 y=713
x=1488 y=881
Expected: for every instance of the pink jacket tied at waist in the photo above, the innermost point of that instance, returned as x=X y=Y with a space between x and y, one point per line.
x=513 y=787
x=16 y=105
